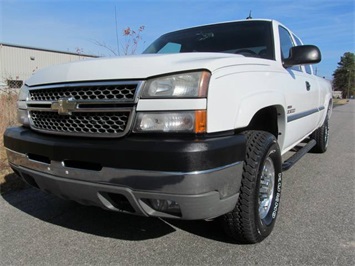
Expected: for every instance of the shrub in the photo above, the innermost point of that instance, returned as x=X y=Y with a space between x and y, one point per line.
x=8 y=115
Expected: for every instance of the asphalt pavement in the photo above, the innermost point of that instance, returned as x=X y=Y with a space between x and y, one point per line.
x=315 y=226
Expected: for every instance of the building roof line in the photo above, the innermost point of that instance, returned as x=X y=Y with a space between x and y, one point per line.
x=45 y=50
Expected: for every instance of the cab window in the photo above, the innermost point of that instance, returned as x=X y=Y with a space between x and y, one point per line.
x=286 y=44
x=308 y=68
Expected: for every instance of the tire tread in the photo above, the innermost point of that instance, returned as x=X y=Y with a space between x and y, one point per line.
x=240 y=223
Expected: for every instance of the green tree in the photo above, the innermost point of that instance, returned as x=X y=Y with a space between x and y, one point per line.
x=344 y=75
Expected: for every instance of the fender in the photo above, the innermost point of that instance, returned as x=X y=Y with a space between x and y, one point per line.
x=328 y=109
x=251 y=104
x=326 y=100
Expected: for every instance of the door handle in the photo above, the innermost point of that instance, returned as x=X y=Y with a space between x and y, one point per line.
x=308 y=86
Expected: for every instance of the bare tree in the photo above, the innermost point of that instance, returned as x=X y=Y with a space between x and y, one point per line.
x=132 y=39
x=129 y=45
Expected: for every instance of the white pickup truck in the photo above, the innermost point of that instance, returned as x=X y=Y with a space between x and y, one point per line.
x=194 y=128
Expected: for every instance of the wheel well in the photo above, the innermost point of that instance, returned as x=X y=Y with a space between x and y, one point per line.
x=330 y=108
x=265 y=120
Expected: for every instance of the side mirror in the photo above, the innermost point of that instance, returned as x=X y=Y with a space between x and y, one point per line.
x=302 y=55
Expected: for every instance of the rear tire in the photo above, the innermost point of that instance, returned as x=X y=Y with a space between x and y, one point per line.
x=254 y=215
x=321 y=136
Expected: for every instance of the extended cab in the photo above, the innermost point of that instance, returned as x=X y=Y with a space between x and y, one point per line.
x=194 y=128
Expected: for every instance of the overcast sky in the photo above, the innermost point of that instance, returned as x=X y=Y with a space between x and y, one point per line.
x=70 y=24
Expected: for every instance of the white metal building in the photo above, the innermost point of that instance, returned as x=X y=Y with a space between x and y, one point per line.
x=18 y=63
x=338 y=94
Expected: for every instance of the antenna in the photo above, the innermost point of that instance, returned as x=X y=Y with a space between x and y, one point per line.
x=117 y=42
x=249 y=17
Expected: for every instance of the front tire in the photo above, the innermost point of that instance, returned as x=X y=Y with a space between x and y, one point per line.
x=254 y=215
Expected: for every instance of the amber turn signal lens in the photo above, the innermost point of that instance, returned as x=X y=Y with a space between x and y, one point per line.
x=201 y=121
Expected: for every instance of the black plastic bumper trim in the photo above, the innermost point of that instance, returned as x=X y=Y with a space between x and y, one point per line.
x=141 y=153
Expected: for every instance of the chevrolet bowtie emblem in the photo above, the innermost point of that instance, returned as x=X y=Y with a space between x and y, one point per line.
x=64 y=106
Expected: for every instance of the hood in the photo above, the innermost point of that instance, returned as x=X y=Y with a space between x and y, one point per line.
x=135 y=67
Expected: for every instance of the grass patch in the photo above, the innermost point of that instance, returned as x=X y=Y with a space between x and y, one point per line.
x=8 y=179
x=8 y=117
x=337 y=102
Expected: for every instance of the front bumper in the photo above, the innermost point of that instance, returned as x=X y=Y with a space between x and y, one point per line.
x=201 y=176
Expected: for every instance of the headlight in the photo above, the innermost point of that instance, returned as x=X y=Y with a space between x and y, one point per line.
x=174 y=122
x=184 y=85
x=22 y=112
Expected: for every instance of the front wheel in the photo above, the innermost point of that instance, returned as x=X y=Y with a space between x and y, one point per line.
x=254 y=215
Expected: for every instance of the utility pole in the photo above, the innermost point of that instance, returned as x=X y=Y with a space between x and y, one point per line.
x=349 y=75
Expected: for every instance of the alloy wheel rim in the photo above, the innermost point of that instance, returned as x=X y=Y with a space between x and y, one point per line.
x=266 y=189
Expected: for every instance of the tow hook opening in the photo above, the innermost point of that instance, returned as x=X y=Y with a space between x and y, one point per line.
x=82 y=165
x=38 y=158
x=118 y=201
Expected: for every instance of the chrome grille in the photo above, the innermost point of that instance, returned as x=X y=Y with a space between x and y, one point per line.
x=91 y=109
x=122 y=92
x=87 y=123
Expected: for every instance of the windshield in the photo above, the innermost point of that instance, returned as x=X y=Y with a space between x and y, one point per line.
x=249 y=38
